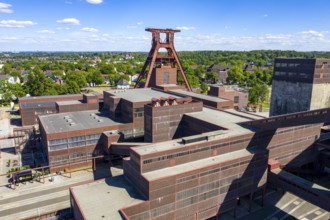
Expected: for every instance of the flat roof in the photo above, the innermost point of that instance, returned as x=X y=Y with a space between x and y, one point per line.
x=56 y=123
x=140 y=95
x=70 y=102
x=198 y=164
x=37 y=104
x=228 y=119
x=199 y=96
x=104 y=198
x=222 y=119
x=49 y=97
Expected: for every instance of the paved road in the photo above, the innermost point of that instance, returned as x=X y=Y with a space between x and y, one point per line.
x=36 y=205
x=35 y=199
x=33 y=195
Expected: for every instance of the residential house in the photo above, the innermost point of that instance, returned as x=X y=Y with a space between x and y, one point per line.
x=10 y=79
x=222 y=72
x=123 y=84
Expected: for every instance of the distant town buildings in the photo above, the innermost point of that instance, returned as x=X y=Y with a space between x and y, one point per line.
x=123 y=84
x=222 y=72
x=10 y=79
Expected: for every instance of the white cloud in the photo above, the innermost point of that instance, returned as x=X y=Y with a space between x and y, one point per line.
x=265 y=15
x=16 y=24
x=314 y=33
x=73 y=21
x=90 y=29
x=186 y=28
x=131 y=26
x=94 y=1
x=135 y=25
x=304 y=40
x=60 y=28
x=8 y=38
x=5 y=8
x=46 y=32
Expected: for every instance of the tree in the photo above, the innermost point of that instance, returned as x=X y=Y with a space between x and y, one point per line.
x=114 y=78
x=38 y=84
x=71 y=87
x=204 y=88
x=8 y=91
x=121 y=68
x=107 y=69
x=235 y=75
x=258 y=93
x=7 y=67
x=211 y=76
x=78 y=77
x=193 y=81
x=95 y=77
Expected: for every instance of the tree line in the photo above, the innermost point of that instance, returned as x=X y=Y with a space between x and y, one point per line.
x=78 y=69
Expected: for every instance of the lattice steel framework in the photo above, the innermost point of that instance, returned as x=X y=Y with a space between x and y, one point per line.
x=170 y=57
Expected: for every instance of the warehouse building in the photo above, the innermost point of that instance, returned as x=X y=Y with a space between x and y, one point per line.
x=31 y=107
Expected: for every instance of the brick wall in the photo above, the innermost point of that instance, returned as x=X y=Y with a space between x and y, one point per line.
x=163 y=123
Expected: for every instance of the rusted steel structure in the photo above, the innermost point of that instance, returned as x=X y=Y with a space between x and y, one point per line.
x=24 y=138
x=170 y=58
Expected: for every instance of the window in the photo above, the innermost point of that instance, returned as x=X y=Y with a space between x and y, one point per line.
x=138 y=112
x=77 y=144
x=57 y=141
x=75 y=139
x=91 y=142
x=93 y=136
x=236 y=99
x=58 y=147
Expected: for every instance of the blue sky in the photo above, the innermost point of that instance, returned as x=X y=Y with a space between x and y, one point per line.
x=118 y=25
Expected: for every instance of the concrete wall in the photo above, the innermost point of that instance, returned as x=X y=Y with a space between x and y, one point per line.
x=289 y=97
x=320 y=96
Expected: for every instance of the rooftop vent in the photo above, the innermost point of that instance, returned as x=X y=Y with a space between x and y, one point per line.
x=192 y=139
x=72 y=124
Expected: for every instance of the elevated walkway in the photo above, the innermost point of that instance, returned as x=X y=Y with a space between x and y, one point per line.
x=294 y=119
x=302 y=188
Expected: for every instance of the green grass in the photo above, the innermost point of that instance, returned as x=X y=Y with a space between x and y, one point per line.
x=266 y=106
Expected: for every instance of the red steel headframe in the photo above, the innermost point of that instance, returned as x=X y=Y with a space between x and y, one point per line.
x=172 y=57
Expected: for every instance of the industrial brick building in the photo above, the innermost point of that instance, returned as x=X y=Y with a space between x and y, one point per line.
x=203 y=173
x=30 y=107
x=234 y=94
x=300 y=85
x=186 y=155
x=76 y=133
